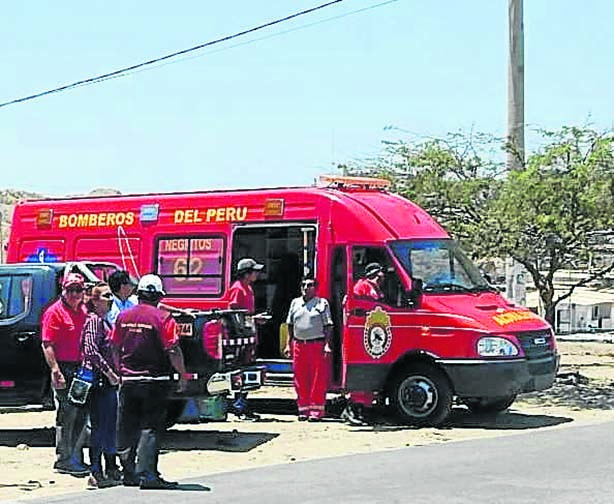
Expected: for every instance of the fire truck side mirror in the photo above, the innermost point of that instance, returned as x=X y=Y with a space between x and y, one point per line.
x=414 y=295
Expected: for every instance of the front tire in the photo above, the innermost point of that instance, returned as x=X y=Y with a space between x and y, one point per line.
x=422 y=395
x=492 y=405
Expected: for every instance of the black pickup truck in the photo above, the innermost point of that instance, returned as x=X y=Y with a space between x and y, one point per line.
x=25 y=291
x=219 y=346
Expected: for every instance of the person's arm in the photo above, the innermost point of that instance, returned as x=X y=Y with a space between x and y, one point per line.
x=327 y=323
x=290 y=323
x=235 y=301
x=57 y=378
x=91 y=351
x=50 y=329
x=170 y=340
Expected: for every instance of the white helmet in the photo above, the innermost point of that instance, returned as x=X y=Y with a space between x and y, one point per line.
x=151 y=284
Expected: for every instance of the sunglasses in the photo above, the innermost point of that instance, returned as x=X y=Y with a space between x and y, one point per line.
x=75 y=290
x=308 y=284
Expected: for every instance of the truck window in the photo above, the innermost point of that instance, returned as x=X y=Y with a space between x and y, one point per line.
x=392 y=286
x=191 y=265
x=15 y=295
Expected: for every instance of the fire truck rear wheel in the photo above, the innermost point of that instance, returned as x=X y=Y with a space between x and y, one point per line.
x=490 y=405
x=422 y=395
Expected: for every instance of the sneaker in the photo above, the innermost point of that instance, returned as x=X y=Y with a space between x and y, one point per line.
x=303 y=418
x=97 y=480
x=157 y=484
x=351 y=417
x=72 y=468
x=314 y=419
x=130 y=480
x=114 y=475
x=248 y=417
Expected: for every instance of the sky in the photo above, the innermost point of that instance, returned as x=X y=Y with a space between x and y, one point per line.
x=286 y=104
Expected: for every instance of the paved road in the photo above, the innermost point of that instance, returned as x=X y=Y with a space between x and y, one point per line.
x=562 y=466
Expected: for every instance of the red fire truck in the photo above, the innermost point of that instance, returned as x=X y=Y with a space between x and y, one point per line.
x=440 y=333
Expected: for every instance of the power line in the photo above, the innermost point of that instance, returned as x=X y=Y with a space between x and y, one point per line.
x=117 y=73
x=252 y=41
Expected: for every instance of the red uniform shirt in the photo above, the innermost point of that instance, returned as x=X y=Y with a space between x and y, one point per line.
x=142 y=335
x=242 y=297
x=62 y=326
x=364 y=288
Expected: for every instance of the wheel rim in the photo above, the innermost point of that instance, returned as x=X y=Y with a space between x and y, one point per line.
x=418 y=396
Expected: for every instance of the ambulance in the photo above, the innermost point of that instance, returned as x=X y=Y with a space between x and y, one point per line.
x=440 y=334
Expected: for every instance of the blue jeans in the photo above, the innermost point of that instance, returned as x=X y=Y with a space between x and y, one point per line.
x=103 y=418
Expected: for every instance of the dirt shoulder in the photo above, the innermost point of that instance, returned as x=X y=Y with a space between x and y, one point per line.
x=583 y=394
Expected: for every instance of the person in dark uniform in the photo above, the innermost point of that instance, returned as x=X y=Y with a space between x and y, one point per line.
x=147 y=345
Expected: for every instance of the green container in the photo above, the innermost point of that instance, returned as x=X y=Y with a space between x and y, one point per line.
x=213 y=409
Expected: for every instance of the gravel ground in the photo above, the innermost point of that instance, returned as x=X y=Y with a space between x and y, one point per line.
x=583 y=393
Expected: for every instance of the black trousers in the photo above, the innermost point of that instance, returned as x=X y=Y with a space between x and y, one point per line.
x=140 y=425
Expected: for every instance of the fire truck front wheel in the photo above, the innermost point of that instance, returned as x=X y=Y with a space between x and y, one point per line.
x=421 y=395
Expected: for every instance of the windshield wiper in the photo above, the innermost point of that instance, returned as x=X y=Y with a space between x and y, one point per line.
x=484 y=288
x=448 y=286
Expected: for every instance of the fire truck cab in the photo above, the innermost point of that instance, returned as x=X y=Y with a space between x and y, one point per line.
x=440 y=332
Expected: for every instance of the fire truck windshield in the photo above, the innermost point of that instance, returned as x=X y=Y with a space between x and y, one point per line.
x=441 y=265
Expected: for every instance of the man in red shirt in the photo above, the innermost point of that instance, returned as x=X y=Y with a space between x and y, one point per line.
x=370 y=286
x=147 y=345
x=62 y=324
x=241 y=297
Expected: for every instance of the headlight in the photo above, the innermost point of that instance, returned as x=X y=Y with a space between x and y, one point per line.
x=496 y=347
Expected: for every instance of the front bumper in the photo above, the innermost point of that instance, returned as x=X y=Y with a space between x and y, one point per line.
x=496 y=378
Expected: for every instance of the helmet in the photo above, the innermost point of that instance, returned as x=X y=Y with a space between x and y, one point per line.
x=151 y=284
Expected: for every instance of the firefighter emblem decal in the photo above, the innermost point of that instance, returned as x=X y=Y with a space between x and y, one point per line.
x=377 y=336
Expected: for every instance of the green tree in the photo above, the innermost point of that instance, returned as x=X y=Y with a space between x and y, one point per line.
x=544 y=215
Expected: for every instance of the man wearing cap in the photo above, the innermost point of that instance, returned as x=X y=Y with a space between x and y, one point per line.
x=145 y=338
x=241 y=297
x=122 y=287
x=368 y=287
x=62 y=324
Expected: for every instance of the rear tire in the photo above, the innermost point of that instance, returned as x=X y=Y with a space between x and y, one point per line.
x=492 y=405
x=421 y=395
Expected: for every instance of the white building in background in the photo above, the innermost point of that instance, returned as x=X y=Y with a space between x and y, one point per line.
x=587 y=309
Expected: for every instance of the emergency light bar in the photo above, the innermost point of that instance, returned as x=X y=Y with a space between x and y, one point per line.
x=341 y=182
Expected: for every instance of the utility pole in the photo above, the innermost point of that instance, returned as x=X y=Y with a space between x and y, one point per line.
x=515 y=287
x=515 y=87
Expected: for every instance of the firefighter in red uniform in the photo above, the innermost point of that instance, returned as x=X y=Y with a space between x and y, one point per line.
x=368 y=287
x=309 y=332
x=146 y=340
x=242 y=298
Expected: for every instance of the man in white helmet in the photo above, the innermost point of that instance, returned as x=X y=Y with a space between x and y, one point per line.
x=146 y=340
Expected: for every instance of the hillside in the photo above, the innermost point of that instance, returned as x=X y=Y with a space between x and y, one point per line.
x=8 y=199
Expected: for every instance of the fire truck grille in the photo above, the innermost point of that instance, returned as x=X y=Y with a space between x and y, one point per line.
x=536 y=344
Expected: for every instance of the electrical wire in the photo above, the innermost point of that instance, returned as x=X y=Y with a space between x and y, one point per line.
x=117 y=73
x=252 y=41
